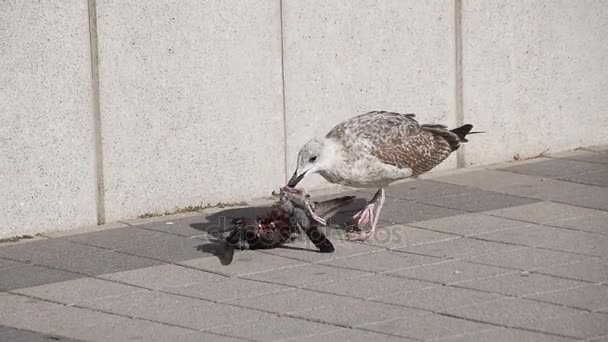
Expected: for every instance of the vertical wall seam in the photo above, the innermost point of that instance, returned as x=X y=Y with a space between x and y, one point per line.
x=285 y=170
x=460 y=154
x=98 y=160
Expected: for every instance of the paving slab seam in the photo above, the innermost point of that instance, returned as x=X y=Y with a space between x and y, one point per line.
x=304 y=287
x=185 y=296
x=317 y=262
x=536 y=247
x=514 y=327
x=478 y=238
x=548 y=224
x=351 y=326
x=119 y=314
x=456 y=285
x=142 y=227
x=577 y=205
x=527 y=298
x=197 y=298
x=533 y=271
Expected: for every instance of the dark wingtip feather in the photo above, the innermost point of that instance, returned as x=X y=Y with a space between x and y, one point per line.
x=463 y=131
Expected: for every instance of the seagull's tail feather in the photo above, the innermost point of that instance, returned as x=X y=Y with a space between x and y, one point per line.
x=453 y=137
x=463 y=131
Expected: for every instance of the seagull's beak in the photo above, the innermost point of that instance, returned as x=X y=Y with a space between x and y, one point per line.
x=295 y=179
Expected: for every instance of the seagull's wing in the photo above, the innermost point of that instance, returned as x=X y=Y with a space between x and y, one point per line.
x=399 y=140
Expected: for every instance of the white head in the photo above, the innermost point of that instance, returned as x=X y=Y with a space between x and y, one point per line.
x=314 y=156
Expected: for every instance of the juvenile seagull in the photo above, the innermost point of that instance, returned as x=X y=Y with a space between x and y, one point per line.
x=373 y=150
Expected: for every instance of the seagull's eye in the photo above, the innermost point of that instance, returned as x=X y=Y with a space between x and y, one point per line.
x=312 y=159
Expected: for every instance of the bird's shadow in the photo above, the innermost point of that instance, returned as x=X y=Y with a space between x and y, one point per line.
x=220 y=223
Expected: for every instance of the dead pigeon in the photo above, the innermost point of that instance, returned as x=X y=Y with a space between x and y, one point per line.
x=294 y=212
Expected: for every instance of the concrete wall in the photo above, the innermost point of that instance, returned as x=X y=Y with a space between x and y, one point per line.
x=185 y=103
x=47 y=167
x=535 y=75
x=191 y=103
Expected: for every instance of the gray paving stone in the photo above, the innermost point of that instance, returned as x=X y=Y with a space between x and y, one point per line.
x=541 y=188
x=359 y=313
x=585 y=156
x=371 y=286
x=291 y=301
x=48 y=251
x=597 y=148
x=304 y=250
x=491 y=180
x=580 y=242
x=244 y=262
x=227 y=289
x=506 y=335
x=9 y=334
x=398 y=211
x=600 y=339
x=49 y=318
x=351 y=335
x=397 y=236
x=169 y=248
x=306 y=275
x=177 y=310
x=24 y=275
x=163 y=276
x=593 y=297
x=382 y=261
x=137 y=330
x=460 y=248
x=424 y=189
x=554 y=168
x=6 y=264
x=594 y=197
x=520 y=284
x=478 y=201
x=429 y=327
x=439 y=298
x=118 y=238
x=190 y=225
x=278 y=328
x=470 y=224
x=543 y=212
x=597 y=223
x=451 y=271
x=594 y=270
x=586 y=325
x=532 y=235
x=106 y=262
x=599 y=177
x=78 y=291
x=528 y=258
x=512 y=312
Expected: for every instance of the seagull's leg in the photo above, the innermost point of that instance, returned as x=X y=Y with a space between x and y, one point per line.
x=370 y=215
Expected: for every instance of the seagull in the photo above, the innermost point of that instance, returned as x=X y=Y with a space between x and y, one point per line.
x=373 y=150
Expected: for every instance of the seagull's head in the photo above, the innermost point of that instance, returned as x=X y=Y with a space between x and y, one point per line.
x=311 y=158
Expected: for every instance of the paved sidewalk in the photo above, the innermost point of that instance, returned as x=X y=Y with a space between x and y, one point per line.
x=517 y=252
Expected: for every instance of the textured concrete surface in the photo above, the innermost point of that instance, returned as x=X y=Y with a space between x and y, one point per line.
x=190 y=102
x=534 y=75
x=511 y=272
x=47 y=170
x=167 y=106
x=343 y=58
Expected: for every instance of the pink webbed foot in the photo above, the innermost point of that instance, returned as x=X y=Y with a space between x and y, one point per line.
x=368 y=216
